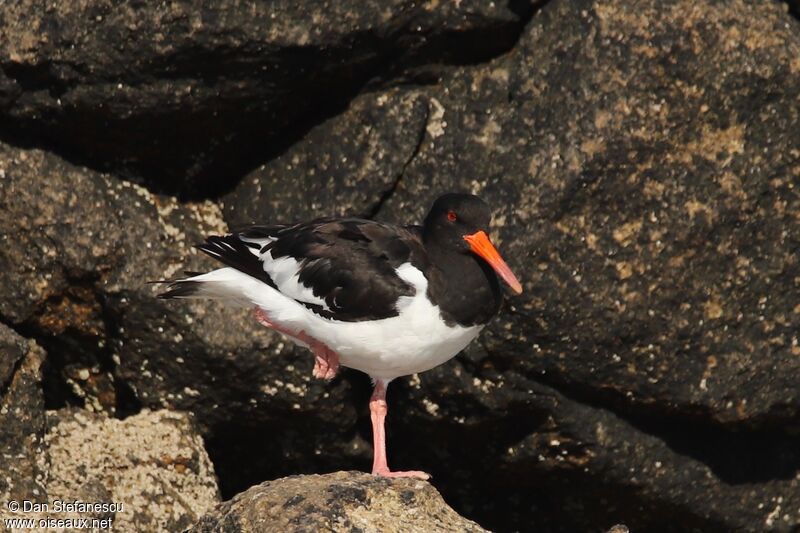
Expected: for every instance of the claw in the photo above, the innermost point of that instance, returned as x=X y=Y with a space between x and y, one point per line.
x=326 y=361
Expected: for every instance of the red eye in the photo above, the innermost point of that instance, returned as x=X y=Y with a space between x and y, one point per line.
x=451 y=216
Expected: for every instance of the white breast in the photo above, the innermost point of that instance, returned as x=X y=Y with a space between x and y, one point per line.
x=415 y=340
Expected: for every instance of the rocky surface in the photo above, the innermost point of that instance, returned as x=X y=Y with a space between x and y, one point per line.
x=650 y=204
x=644 y=165
x=22 y=418
x=115 y=348
x=642 y=162
x=376 y=138
x=342 y=501
x=649 y=197
x=154 y=464
x=184 y=96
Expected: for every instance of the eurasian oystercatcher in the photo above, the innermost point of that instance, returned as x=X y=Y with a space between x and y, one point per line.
x=384 y=299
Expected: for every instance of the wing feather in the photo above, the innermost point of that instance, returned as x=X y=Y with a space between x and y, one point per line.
x=342 y=269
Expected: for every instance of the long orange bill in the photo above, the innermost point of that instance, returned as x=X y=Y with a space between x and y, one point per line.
x=480 y=244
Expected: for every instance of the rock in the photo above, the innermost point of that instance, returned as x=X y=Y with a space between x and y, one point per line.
x=647 y=198
x=22 y=418
x=642 y=163
x=180 y=96
x=69 y=249
x=621 y=292
x=345 y=165
x=341 y=501
x=113 y=347
x=653 y=479
x=152 y=465
x=644 y=187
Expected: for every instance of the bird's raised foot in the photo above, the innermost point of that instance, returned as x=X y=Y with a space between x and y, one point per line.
x=326 y=363
x=263 y=319
x=417 y=474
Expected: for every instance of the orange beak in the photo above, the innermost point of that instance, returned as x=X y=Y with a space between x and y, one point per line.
x=480 y=244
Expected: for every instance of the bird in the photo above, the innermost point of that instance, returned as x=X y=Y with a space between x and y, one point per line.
x=389 y=300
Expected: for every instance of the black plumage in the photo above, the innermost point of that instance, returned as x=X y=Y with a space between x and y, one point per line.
x=179 y=289
x=351 y=263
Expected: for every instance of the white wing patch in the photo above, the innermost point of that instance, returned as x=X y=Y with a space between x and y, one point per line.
x=261 y=242
x=285 y=272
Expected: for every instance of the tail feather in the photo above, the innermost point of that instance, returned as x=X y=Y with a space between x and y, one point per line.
x=181 y=288
x=234 y=252
x=222 y=284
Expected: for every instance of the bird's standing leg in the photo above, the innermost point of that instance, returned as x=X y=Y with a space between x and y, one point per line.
x=377 y=411
x=326 y=361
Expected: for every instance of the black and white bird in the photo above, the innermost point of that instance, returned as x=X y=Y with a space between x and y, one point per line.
x=385 y=299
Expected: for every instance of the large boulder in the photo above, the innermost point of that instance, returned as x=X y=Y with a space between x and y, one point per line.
x=342 y=501
x=642 y=162
x=642 y=165
x=152 y=467
x=187 y=95
x=572 y=464
x=347 y=165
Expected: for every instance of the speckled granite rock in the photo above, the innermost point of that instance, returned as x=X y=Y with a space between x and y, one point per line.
x=22 y=418
x=341 y=501
x=642 y=161
x=346 y=165
x=643 y=164
x=185 y=95
x=153 y=463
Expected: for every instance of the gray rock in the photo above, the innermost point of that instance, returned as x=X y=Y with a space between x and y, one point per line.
x=341 y=501
x=643 y=172
x=643 y=185
x=681 y=230
x=345 y=165
x=186 y=96
x=22 y=419
x=643 y=181
x=152 y=464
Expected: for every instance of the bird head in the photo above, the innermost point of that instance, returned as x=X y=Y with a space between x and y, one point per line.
x=459 y=222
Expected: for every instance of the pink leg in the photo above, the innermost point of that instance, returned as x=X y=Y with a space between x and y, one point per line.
x=326 y=361
x=378 y=410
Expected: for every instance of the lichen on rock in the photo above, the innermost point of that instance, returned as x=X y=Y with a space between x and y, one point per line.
x=341 y=501
x=154 y=464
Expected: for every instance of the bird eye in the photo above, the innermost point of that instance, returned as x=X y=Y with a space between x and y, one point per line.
x=451 y=216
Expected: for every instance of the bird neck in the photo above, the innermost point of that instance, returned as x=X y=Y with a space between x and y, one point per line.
x=464 y=287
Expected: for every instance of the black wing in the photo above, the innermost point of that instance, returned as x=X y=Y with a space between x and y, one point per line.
x=348 y=264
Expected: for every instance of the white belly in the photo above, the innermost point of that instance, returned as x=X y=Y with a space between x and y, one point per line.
x=415 y=340
x=399 y=346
